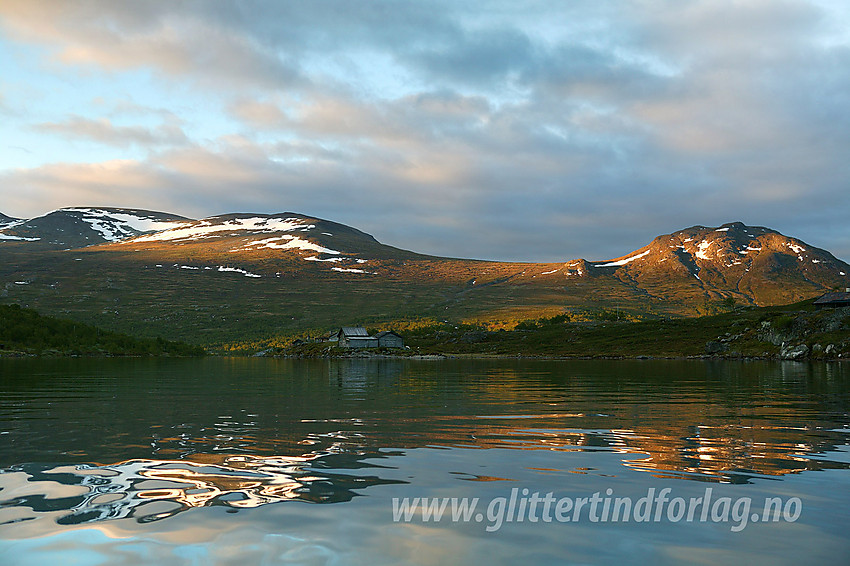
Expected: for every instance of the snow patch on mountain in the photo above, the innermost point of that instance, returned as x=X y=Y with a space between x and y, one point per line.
x=237 y=270
x=622 y=261
x=703 y=246
x=20 y=238
x=289 y=243
x=208 y=229
x=115 y=226
x=349 y=270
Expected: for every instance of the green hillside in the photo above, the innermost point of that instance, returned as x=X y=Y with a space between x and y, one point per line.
x=24 y=331
x=794 y=332
x=242 y=278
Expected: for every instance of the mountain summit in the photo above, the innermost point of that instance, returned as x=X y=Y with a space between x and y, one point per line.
x=741 y=260
x=151 y=273
x=79 y=227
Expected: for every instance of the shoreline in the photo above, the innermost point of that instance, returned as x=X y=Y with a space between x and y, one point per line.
x=478 y=356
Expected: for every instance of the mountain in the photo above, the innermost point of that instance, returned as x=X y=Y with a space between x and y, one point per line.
x=239 y=276
x=79 y=227
x=6 y=221
x=735 y=260
x=269 y=235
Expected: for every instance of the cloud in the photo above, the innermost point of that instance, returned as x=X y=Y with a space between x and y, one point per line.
x=537 y=131
x=165 y=36
x=104 y=131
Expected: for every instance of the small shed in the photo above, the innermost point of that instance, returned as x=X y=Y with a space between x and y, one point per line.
x=389 y=339
x=833 y=300
x=355 y=337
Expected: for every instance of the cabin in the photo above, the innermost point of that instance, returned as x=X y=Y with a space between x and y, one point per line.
x=357 y=337
x=389 y=339
x=833 y=300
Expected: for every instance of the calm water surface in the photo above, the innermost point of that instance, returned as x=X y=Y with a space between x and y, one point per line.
x=257 y=461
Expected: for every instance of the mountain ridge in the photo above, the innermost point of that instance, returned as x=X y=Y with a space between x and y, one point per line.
x=243 y=274
x=74 y=227
x=11 y=226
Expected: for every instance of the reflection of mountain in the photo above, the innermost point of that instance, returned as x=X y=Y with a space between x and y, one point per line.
x=151 y=490
x=163 y=436
x=729 y=453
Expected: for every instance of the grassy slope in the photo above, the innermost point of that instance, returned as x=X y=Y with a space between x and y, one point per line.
x=749 y=332
x=125 y=292
x=120 y=288
x=24 y=331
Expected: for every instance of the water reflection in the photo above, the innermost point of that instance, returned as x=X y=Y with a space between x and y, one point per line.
x=88 y=441
x=151 y=490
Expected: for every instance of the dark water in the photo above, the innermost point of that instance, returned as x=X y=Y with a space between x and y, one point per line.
x=255 y=461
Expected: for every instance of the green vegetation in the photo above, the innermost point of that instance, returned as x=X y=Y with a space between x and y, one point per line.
x=123 y=290
x=794 y=331
x=25 y=332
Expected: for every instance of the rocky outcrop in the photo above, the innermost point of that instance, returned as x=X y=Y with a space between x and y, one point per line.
x=798 y=336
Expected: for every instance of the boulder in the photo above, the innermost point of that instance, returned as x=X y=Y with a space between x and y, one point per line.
x=715 y=347
x=798 y=352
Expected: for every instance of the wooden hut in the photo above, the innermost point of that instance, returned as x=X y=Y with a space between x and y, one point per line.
x=833 y=300
x=355 y=337
x=389 y=339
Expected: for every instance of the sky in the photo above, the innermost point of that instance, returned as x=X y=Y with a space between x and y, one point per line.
x=518 y=131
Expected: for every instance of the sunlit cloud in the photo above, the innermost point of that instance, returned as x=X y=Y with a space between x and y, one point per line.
x=104 y=131
x=537 y=131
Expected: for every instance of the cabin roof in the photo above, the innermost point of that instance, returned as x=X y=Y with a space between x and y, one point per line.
x=833 y=298
x=383 y=333
x=354 y=332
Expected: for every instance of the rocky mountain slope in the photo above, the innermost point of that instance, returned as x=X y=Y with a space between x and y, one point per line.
x=6 y=220
x=748 y=263
x=78 y=227
x=207 y=280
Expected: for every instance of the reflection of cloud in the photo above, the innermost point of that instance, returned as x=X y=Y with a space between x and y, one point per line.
x=151 y=490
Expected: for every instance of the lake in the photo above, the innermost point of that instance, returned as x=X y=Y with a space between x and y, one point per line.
x=264 y=461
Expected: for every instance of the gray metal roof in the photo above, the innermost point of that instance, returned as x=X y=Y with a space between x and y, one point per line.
x=834 y=298
x=354 y=331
